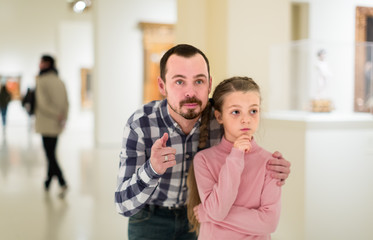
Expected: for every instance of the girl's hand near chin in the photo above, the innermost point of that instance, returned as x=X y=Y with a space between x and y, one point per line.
x=243 y=143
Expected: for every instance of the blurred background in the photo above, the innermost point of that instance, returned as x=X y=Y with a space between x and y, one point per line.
x=107 y=53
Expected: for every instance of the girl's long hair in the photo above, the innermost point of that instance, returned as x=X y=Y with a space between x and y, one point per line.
x=234 y=84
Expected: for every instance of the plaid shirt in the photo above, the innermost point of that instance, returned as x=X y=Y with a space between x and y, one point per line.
x=138 y=184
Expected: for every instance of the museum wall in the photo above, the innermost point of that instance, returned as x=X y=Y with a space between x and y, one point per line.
x=31 y=28
x=119 y=65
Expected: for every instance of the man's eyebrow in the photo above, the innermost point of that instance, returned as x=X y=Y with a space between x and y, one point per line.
x=178 y=76
x=200 y=75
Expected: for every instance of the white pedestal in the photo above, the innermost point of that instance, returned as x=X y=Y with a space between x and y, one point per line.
x=329 y=194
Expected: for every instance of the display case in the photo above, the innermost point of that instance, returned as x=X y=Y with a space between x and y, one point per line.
x=324 y=77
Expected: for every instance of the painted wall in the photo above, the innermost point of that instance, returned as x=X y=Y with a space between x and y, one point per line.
x=236 y=35
x=253 y=26
x=204 y=25
x=118 y=74
x=32 y=28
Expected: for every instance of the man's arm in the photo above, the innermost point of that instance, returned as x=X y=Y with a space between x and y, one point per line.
x=138 y=177
x=136 y=180
x=280 y=168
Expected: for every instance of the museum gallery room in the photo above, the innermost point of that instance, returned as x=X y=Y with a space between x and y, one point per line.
x=311 y=58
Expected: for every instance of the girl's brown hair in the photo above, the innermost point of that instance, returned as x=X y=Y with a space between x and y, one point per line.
x=234 y=84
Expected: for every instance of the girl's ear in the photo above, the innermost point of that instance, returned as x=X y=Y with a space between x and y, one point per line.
x=162 y=86
x=218 y=116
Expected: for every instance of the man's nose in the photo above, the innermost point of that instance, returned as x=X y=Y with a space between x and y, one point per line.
x=190 y=92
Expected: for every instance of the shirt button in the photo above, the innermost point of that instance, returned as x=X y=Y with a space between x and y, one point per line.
x=187 y=156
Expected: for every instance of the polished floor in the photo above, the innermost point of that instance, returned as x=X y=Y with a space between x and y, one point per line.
x=27 y=212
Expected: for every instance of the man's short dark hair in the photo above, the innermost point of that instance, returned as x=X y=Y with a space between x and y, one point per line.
x=49 y=59
x=183 y=50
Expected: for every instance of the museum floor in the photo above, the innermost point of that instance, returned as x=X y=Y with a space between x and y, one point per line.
x=86 y=213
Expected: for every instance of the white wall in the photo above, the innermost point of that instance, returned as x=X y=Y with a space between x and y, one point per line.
x=75 y=51
x=32 y=28
x=118 y=73
x=253 y=26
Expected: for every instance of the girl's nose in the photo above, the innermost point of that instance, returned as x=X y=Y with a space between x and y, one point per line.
x=245 y=119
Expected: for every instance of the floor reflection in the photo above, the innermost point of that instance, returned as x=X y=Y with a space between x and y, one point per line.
x=28 y=212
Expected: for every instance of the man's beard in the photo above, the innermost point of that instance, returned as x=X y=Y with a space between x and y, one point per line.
x=190 y=114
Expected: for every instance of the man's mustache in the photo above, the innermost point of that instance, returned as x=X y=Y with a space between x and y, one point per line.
x=191 y=100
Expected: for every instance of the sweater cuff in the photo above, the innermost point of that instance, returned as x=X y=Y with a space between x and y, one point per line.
x=237 y=154
x=202 y=214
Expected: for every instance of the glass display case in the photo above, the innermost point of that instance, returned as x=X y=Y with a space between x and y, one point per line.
x=316 y=76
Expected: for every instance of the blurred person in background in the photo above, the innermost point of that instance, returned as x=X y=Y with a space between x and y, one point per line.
x=4 y=101
x=50 y=117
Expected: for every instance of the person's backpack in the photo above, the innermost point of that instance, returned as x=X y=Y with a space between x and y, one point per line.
x=29 y=101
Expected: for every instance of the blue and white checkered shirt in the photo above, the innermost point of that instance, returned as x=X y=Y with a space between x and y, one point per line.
x=138 y=184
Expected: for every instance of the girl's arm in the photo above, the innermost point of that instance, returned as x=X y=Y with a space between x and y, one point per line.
x=218 y=192
x=262 y=220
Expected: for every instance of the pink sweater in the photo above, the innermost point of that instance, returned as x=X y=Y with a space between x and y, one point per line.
x=239 y=198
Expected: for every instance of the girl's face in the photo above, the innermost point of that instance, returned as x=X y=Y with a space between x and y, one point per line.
x=240 y=114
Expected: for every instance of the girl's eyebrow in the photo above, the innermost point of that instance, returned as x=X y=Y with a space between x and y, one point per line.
x=237 y=105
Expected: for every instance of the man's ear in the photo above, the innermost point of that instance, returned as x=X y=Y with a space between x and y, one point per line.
x=162 y=86
x=218 y=117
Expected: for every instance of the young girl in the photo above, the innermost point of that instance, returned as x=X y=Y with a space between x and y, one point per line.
x=237 y=197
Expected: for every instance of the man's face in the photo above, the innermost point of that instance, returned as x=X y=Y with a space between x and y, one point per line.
x=186 y=87
x=43 y=65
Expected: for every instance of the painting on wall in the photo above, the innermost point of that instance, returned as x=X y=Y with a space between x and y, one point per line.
x=86 y=88
x=364 y=60
x=12 y=84
x=157 y=39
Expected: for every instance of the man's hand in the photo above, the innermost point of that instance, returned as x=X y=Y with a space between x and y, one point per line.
x=162 y=157
x=280 y=168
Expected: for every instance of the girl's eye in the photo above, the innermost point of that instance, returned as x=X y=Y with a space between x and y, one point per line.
x=236 y=112
x=254 y=111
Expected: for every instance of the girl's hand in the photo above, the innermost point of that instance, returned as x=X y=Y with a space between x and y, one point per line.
x=195 y=210
x=243 y=143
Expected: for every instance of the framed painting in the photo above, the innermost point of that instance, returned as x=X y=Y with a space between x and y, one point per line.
x=157 y=39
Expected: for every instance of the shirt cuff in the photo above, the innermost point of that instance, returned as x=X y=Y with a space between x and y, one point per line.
x=148 y=175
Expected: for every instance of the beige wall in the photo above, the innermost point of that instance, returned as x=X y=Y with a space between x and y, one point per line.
x=236 y=35
x=204 y=25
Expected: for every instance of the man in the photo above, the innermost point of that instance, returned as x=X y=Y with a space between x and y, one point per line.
x=50 y=116
x=159 y=143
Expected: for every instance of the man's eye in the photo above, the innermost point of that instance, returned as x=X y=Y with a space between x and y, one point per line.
x=179 y=82
x=199 y=81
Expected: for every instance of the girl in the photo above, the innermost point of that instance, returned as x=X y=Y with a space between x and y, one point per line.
x=237 y=197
